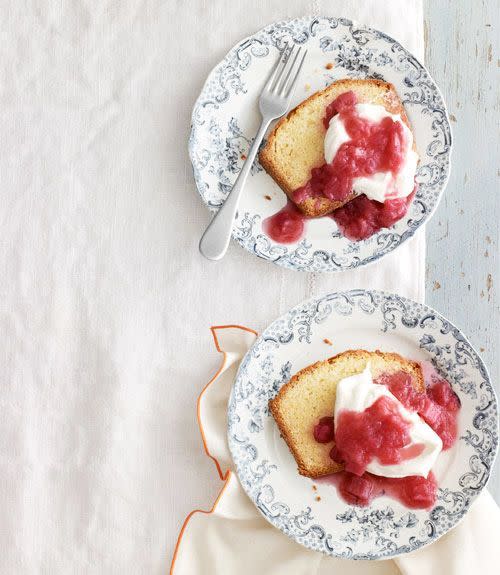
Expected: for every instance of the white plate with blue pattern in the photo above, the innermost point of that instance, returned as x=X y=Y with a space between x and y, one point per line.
x=267 y=470
x=225 y=119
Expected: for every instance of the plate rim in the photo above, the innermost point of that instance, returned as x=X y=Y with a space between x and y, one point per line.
x=384 y=295
x=410 y=232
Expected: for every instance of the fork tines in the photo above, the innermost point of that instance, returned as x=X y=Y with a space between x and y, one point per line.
x=286 y=70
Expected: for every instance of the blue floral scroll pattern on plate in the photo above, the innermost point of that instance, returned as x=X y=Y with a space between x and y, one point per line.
x=216 y=141
x=387 y=531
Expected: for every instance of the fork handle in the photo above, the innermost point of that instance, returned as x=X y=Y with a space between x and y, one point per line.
x=215 y=240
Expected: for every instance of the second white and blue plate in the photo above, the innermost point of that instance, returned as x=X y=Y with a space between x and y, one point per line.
x=369 y=320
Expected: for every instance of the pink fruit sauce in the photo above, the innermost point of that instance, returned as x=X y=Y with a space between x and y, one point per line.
x=380 y=432
x=373 y=147
x=361 y=218
x=286 y=226
x=438 y=407
x=324 y=431
x=414 y=492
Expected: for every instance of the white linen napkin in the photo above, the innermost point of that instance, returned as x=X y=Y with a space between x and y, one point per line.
x=234 y=538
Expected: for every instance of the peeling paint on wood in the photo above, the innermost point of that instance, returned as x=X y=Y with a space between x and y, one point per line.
x=489 y=284
x=462 y=46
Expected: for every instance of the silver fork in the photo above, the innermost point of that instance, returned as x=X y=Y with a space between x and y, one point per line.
x=273 y=103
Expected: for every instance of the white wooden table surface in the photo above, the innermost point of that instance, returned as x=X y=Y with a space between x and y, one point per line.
x=462 y=54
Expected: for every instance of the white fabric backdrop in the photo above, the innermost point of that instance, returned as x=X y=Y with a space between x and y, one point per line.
x=105 y=302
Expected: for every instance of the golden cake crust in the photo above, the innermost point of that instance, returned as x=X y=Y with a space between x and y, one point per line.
x=310 y=395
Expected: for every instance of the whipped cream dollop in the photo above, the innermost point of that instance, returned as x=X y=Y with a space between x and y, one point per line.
x=357 y=393
x=380 y=186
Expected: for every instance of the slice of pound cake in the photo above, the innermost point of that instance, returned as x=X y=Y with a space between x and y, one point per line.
x=296 y=144
x=310 y=395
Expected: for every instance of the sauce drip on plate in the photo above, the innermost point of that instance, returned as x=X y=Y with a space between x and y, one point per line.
x=380 y=432
x=286 y=226
x=413 y=491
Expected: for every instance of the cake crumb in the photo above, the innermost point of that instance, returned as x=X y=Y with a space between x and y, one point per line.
x=329 y=66
x=243 y=157
x=318 y=498
x=327 y=341
x=437 y=285
x=268 y=198
x=307 y=87
x=315 y=488
x=481 y=349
